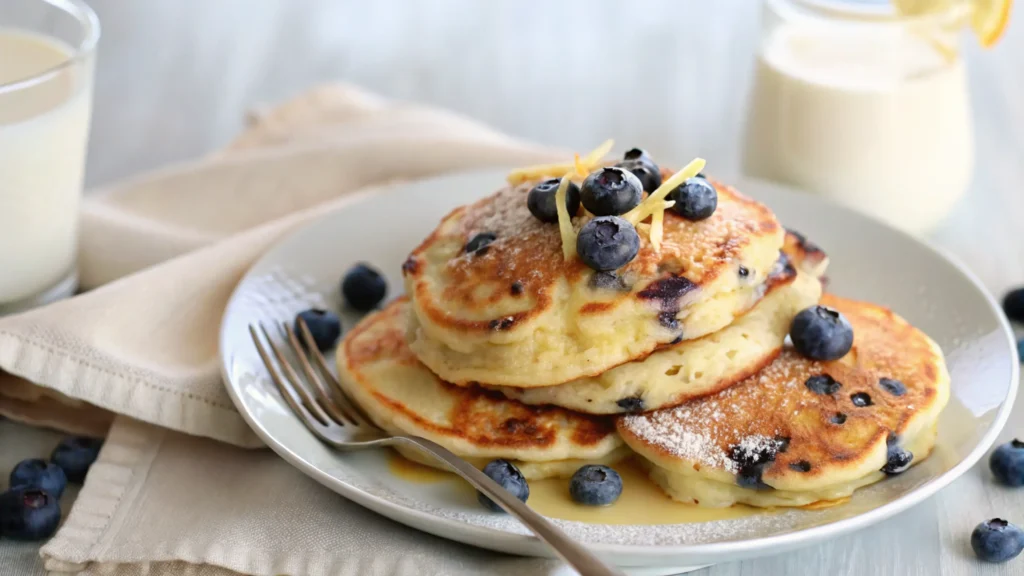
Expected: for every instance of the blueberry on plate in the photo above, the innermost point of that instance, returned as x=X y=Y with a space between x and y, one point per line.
x=541 y=200
x=595 y=485
x=696 y=199
x=611 y=191
x=821 y=333
x=607 y=243
x=363 y=287
x=1020 y=350
x=508 y=477
x=1007 y=463
x=1013 y=304
x=74 y=455
x=324 y=325
x=640 y=164
x=41 y=474
x=28 y=513
x=997 y=540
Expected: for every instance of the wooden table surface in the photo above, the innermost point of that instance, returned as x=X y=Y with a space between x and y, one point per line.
x=175 y=76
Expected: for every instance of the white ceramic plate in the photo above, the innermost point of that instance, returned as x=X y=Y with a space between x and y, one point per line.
x=869 y=261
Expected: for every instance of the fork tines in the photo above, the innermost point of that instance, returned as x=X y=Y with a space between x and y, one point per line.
x=311 y=400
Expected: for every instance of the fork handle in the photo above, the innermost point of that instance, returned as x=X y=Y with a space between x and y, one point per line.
x=575 y=554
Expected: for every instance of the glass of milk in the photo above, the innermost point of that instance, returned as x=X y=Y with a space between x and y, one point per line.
x=47 y=50
x=856 y=103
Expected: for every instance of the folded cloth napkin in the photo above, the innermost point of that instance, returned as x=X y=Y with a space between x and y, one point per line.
x=162 y=254
x=162 y=503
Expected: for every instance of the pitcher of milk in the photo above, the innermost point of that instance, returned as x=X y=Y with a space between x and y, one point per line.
x=864 y=104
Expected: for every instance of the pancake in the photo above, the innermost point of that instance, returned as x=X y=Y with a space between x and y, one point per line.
x=772 y=441
x=518 y=314
x=402 y=396
x=682 y=372
x=691 y=369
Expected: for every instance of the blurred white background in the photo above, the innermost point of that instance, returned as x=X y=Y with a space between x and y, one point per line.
x=175 y=76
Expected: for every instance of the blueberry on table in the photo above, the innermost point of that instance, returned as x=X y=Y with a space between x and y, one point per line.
x=324 y=325
x=508 y=477
x=41 y=474
x=821 y=333
x=541 y=200
x=640 y=164
x=695 y=199
x=611 y=191
x=74 y=455
x=363 y=287
x=595 y=485
x=1007 y=463
x=28 y=513
x=607 y=243
x=997 y=540
x=1013 y=304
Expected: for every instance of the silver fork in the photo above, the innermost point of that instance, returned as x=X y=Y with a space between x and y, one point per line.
x=337 y=420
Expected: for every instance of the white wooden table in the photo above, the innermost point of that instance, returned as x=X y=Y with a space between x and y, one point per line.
x=175 y=76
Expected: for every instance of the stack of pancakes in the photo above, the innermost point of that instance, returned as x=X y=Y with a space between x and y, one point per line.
x=513 y=351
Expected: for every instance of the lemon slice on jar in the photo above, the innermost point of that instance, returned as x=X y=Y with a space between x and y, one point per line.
x=988 y=18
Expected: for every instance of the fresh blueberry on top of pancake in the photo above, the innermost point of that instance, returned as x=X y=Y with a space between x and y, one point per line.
x=478 y=244
x=640 y=164
x=363 y=287
x=595 y=485
x=821 y=333
x=607 y=243
x=611 y=191
x=324 y=325
x=696 y=199
x=541 y=200
x=508 y=477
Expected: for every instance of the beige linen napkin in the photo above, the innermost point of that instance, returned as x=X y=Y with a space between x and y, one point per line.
x=162 y=503
x=163 y=252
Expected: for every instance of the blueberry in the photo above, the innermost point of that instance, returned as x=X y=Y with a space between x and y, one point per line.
x=861 y=399
x=640 y=164
x=997 y=540
x=894 y=387
x=631 y=404
x=363 y=287
x=822 y=384
x=610 y=192
x=508 y=477
x=838 y=418
x=28 y=513
x=607 y=243
x=595 y=485
x=1013 y=304
x=75 y=455
x=40 y=474
x=821 y=333
x=1007 y=463
x=324 y=325
x=480 y=242
x=541 y=200
x=696 y=199
x=897 y=460
x=800 y=466
x=1020 y=350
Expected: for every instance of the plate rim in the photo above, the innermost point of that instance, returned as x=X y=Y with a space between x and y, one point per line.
x=527 y=544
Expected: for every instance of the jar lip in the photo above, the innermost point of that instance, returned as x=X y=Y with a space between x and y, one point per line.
x=85 y=48
x=865 y=11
